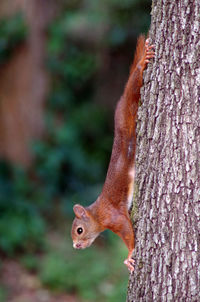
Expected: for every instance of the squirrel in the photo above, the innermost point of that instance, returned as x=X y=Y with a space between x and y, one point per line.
x=111 y=209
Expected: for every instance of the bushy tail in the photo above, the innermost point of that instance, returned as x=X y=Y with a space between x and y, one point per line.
x=139 y=52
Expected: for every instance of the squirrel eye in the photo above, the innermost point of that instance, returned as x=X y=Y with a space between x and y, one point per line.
x=79 y=231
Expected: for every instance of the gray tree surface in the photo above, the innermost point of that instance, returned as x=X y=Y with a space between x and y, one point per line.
x=166 y=203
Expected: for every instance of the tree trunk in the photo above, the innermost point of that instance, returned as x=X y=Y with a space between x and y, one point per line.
x=24 y=82
x=166 y=205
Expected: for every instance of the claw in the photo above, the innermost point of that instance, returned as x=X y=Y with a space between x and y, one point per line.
x=151 y=46
x=147 y=42
x=149 y=52
x=150 y=55
x=129 y=262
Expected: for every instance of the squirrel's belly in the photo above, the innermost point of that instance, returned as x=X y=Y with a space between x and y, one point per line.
x=131 y=175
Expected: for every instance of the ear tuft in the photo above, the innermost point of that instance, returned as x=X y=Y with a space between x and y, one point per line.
x=80 y=211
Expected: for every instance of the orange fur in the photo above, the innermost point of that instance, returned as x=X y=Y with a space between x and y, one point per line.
x=110 y=210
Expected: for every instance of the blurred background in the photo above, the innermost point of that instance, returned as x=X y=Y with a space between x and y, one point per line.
x=63 y=66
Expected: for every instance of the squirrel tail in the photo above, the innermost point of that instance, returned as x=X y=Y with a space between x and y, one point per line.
x=139 y=52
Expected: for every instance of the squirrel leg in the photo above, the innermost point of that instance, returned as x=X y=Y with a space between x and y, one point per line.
x=130 y=262
x=127 y=234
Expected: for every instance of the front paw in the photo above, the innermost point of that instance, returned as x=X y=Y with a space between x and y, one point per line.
x=149 y=52
x=129 y=262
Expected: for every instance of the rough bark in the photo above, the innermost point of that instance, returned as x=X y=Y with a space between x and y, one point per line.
x=167 y=198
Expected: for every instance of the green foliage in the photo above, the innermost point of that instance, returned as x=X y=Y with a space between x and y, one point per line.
x=113 y=22
x=3 y=294
x=21 y=226
x=31 y=262
x=91 y=273
x=129 y=19
x=78 y=139
x=12 y=32
x=70 y=163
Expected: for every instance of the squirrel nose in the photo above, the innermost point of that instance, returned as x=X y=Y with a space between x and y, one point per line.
x=77 y=245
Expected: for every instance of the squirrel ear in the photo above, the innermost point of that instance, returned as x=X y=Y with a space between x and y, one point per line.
x=80 y=211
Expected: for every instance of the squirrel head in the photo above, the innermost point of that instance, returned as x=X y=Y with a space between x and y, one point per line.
x=85 y=228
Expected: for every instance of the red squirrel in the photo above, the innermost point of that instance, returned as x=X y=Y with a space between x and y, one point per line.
x=110 y=210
